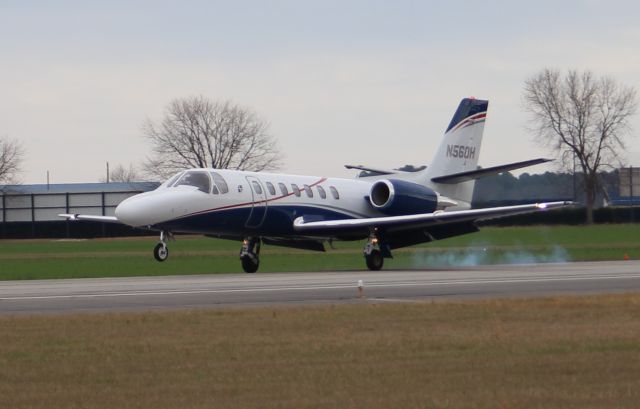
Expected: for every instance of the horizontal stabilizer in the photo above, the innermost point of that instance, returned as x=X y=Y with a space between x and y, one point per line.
x=480 y=173
x=377 y=171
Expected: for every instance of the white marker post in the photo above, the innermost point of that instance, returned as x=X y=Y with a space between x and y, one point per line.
x=360 y=289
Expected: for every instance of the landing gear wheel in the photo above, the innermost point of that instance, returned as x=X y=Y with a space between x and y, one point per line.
x=250 y=254
x=161 y=252
x=374 y=260
x=250 y=264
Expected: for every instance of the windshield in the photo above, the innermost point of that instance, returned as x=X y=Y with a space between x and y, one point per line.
x=199 y=179
x=171 y=180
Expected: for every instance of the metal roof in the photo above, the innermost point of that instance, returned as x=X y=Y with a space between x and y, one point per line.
x=79 y=188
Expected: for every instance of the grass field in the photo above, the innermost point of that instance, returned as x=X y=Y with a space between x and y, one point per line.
x=569 y=352
x=30 y=259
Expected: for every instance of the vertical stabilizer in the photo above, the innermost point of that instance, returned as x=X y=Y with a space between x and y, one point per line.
x=459 y=150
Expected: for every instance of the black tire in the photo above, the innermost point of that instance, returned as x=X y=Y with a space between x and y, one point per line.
x=374 y=260
x=161 y=252
x=250 y=264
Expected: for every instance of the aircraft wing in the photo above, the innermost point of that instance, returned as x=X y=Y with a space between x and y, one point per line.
x=90 y=218
x=415 y=221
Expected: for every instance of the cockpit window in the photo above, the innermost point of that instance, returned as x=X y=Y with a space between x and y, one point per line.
x=199 y=179
x=219 y=182
x=172 y=180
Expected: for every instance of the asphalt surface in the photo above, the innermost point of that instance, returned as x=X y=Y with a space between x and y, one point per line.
x=211 y=291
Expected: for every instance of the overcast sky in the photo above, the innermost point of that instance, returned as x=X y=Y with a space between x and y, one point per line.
x=359 y=82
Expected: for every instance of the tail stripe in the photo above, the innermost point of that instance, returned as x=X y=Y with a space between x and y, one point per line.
x=468 y=108
x=474 y=119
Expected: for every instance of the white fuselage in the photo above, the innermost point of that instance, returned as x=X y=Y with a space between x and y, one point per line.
x=250 y=205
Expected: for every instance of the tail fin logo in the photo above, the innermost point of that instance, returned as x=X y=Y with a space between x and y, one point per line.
x=472 y=120
x=469 y=112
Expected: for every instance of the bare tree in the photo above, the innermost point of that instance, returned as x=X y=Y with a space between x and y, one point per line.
x=11 y=155
x=197 y=132
x=582 y=118
x=123 y=174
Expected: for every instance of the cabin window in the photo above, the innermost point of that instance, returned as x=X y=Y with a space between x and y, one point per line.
x=321 y=192
x=256 y=187
x=272 y=190
x=334 y=192
x=283 y=189
x=198 y=179
x=214 y=190
x=296 y=189
x=220 y=182
x=308 y=190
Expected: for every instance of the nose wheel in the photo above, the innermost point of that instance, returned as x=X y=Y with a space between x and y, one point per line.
x=161 y=251
x=250 y=254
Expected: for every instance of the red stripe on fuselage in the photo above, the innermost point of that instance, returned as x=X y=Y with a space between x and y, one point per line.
x=252 y=203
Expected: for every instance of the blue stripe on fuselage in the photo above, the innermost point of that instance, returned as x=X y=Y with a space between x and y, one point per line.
x=277 y=222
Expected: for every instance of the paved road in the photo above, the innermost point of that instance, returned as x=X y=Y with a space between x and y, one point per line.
x=145 y=293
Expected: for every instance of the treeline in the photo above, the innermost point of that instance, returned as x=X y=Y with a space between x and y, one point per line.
x=505 y=188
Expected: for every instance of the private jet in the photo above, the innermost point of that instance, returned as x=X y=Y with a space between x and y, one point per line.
x=389 y=208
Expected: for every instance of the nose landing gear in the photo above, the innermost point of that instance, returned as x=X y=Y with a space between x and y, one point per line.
x=250 y=254
x=161 y=251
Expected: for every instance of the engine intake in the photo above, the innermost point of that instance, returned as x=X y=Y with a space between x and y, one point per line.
x=398 y=197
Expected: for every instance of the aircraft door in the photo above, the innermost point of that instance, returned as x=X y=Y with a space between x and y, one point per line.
x=259 y=209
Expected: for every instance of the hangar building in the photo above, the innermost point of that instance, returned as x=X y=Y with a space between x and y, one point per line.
x=31 y=211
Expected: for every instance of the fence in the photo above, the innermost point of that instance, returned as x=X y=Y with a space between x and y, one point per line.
x=38 y=207
x=25 y=214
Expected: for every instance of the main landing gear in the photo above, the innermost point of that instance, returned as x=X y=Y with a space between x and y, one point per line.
x=250 y=254
x=161 y=251
x=375 y=252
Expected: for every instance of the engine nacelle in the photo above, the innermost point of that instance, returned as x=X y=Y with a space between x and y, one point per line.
x=398 y=197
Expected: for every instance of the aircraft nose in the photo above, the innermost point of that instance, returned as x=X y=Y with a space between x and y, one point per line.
x=130 y=211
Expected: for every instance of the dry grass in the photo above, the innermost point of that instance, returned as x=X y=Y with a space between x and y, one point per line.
x=566 y=352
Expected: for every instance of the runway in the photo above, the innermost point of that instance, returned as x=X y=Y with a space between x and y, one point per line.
x=211 y=291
